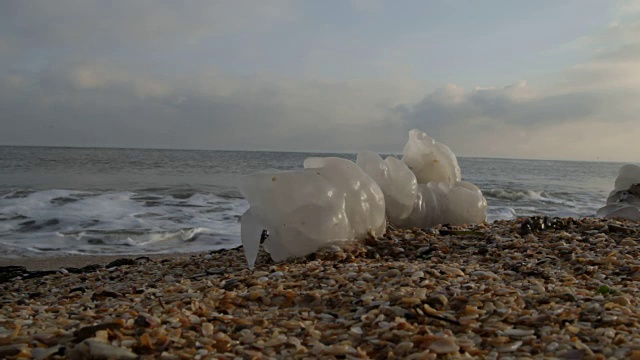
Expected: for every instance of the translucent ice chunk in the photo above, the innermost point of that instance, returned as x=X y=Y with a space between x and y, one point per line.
x=624 y=200
x=396 y=180
x=628 y=175
x=427 y=210
x=331 y=200
x=250 y=229
x=439 y=203
x=364 y=200
x=430 y=160
x=334 y=199
x=465 y=205
x=619 y=210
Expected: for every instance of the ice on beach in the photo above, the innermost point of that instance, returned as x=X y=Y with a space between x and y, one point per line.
x=439 y=203
x=364 y=201
x=331 y=200
x=628 y=175
x=624 y=200
x=427 y=206
x=334 y=199
x=430 y=160
x=443 y=198
x=396 y=180
x=620 y=211
x=464 y=204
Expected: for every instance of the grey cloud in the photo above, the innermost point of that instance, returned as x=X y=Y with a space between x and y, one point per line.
x=367 y=5
x=602 y=89
x=105 y=105
x=587 y=111
x=449 y=106
x=77 y=100
x=102 y=26
x=630 y=52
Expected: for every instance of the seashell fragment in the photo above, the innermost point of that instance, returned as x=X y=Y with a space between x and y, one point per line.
x=444 y=345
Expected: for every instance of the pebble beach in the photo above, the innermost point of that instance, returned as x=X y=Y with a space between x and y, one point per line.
x=505 y=290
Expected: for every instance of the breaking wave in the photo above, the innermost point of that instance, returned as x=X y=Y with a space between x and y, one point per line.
x=515 y=195
x=109 y=223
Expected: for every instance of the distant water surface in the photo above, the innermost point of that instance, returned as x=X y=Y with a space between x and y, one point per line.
x=139 y=201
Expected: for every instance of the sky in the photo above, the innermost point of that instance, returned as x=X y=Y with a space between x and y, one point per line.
x=547 y=79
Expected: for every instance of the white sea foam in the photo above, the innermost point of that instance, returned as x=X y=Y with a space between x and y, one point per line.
x=500 y=213
x=515 y=194
x=66 y=221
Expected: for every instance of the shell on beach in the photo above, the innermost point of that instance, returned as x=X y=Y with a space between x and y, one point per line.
x=482 y=291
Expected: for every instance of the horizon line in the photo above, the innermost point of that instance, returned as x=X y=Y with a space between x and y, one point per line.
x=298 y=151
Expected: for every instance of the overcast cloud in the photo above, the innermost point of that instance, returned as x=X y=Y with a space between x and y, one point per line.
x=330 y=76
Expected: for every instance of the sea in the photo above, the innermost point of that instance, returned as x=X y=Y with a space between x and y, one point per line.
x=99 y=201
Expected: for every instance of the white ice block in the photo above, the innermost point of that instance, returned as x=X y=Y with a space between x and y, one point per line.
x=331 y=200
x=396 y=180
x=624 y=200
x=430 y=160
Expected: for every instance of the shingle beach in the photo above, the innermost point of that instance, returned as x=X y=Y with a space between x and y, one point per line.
x=502 y=290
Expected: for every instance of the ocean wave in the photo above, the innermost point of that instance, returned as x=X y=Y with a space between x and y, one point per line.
x=110 y=222
x=500 y=213
x=516 y=194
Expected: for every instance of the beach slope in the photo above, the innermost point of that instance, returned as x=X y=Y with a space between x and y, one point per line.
x=570 y=290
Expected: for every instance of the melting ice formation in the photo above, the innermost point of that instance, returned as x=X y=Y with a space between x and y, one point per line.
x=440 y=195
x=332 y=199
x=336 y=200
x=624 y=200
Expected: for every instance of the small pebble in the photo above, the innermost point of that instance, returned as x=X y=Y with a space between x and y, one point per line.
x=552 y=293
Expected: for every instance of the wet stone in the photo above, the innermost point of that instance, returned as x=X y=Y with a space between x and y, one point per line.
x=120 y=262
